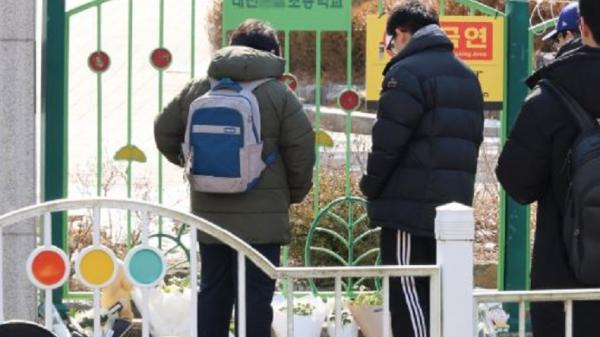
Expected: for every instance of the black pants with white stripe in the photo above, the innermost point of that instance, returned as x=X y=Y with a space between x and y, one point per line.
x=409 y=296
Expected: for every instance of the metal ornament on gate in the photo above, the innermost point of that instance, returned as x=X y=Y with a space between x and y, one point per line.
x=145 y=266
x=290 y=80
x=99 y=61
x=96 y=267
x=349 y=100
x=161 y=58
x=48 y=267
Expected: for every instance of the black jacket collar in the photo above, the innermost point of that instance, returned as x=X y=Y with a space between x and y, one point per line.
x=576 y=43
x=428 y=37
x=578 y=72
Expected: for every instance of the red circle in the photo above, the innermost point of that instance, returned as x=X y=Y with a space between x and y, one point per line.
x=99 y=61
x=291 y=81
x=349 y=100
x=48 y=268
x=161 y=58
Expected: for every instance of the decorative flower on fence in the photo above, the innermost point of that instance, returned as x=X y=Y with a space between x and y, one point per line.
x=340 y=233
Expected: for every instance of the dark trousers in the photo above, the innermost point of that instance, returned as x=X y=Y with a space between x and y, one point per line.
x=548 y=319
x=409 y=296
x=218 y=291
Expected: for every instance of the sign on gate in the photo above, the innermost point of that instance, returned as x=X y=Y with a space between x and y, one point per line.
x=299 y=15
x=478 y=40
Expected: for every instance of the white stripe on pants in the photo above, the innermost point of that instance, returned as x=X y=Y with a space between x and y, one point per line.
x=403 y=241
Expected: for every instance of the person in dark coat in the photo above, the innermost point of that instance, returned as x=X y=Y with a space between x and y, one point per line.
x=425 y=146
x=532 y=168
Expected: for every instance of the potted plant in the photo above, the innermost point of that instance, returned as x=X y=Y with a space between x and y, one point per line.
x=309 y=315
x=367 y=310
x=349 y=326
x=169 y=308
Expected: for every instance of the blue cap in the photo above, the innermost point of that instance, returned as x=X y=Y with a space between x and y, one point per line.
x=567 y=20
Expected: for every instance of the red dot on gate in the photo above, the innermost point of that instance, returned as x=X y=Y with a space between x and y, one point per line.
x=161 y=58
x=99 y=61
x=48 y=268
x=349 y=100
x=291 y=81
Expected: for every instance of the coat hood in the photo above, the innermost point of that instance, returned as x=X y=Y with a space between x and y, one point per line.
x=245 y=64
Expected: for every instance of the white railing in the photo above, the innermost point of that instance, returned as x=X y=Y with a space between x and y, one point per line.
x=523 y=297
x=454 y=243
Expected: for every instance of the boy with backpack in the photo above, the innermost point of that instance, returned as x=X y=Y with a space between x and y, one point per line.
x=248 y=150
x=553 y=157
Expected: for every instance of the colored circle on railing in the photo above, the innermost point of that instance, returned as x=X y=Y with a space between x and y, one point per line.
x=290 y=80
x=145 y=266
x=48 y=267
x=161 y=58
x=99 y=61
x=96 y=267
x=349 y=100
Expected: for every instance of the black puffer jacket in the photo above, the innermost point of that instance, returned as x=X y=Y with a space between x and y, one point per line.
x=532 y=168
x=427 y=135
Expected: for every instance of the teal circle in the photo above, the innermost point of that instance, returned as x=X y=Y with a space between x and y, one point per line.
x=146 y=266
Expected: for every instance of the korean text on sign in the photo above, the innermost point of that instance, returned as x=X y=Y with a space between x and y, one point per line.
x=473 y=41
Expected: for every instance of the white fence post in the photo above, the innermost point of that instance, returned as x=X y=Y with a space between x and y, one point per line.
x=455 y=231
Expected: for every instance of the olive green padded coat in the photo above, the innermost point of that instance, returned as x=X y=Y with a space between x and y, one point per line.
x=261 y=215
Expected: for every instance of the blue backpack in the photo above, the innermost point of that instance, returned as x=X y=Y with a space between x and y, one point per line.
x=223 y=146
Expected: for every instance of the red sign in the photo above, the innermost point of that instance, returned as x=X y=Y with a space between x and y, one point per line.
x=291 y=81
x=473 y=41
x=161 y=58
x=349 y=100
x=99 y=61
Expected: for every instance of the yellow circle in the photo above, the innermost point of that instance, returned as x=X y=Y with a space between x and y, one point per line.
x=96 y=267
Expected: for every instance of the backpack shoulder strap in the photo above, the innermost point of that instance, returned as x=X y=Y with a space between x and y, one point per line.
x=584 y=119
x=248 y=91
